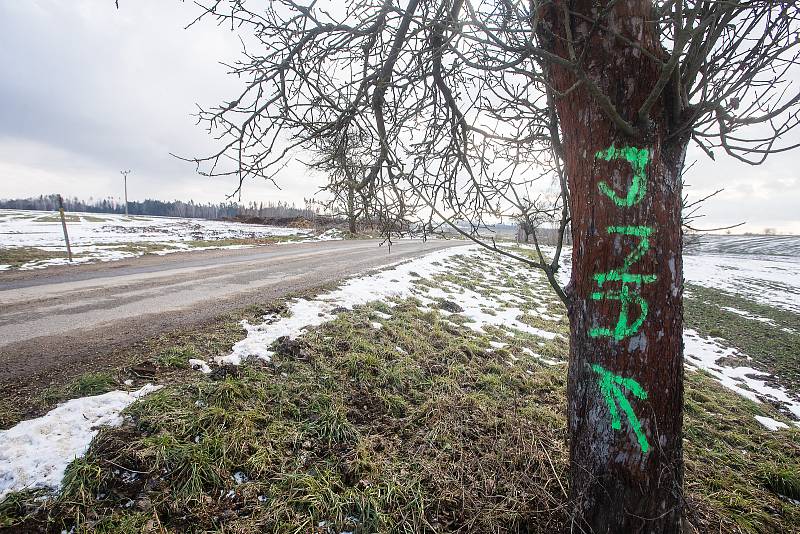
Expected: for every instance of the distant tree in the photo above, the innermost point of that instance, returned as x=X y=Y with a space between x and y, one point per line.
x=460 y=104
x=343 y=166
x=175 y=208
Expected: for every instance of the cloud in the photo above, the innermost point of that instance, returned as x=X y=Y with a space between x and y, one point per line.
x=88 y=90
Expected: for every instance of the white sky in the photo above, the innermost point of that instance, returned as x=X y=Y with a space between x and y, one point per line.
x=88 y=90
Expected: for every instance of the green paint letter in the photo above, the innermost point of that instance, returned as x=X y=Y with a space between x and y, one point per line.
x=638 y=159
x=610 y=387
x=625 y=295
x=622 y=329
x=623 y=274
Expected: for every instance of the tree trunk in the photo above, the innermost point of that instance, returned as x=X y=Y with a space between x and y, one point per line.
x=351 y=207
x=523 y=234
x=625 y=391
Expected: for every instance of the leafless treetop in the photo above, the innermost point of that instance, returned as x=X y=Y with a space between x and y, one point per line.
x=448 y=103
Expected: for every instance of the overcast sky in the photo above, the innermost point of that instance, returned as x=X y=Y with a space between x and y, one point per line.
x=87 y=90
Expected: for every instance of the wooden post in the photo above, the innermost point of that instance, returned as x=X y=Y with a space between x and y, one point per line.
x=64 y=226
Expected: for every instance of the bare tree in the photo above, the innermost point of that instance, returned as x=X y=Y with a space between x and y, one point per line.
x=344 y=168
x=458 y=105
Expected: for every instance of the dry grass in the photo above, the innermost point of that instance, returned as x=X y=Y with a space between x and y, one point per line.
x=419 y=426
x=341 y=430
x=18 y=256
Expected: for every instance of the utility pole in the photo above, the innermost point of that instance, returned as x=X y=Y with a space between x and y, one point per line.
x=64 y=226
x=125 y=180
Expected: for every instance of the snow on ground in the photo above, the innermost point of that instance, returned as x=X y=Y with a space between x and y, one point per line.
x=500 y=310
x=334 y=234
x=770 y=280
x=705 y=353
x=43 y=229
x=770 y=423
x=199 y=365
x=107 y=237
x=748 y=315
x=35 y=453
x=772 y=245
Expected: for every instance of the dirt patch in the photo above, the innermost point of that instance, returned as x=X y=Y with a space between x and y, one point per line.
x=36 y=376
x=320 y=221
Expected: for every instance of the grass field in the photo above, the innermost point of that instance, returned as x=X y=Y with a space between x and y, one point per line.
x=35 y=240
x=423 y=411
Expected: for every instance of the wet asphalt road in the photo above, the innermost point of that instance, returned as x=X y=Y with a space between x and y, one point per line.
x=52 y=317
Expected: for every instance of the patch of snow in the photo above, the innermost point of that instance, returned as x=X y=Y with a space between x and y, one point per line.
x=35 y=453
x=748 y=315
x=397 y=281
x=508 y=297
x=770 y=423
x=100 y=236
x=541 y=358
x=199 y=365
x=748 y=245
x=774 y=281
x=704 y=353
x=305 y=313
x=334 y=234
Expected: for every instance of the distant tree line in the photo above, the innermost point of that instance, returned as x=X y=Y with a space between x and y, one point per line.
x=176 y=208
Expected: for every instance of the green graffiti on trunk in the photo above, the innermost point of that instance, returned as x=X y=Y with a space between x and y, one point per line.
x=635 y=255
x=624 y=294
x=610 y=386
x=622 y=329
x=628 y=292
x=638 y=159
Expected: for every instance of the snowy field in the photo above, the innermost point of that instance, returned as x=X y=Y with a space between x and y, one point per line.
x=474 y=289
x=107 y=237
x=765 y=269
x=765 y=245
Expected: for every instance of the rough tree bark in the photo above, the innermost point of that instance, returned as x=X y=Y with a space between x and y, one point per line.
x=625 y=391
x=524 y=232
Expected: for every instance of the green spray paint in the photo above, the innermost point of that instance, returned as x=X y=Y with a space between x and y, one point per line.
x=610 y=387
x=622 y=329
x=638 y=159
x=635 y=255
x=624 y=294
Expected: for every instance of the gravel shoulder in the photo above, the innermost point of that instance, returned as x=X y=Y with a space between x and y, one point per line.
x=64 y=320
